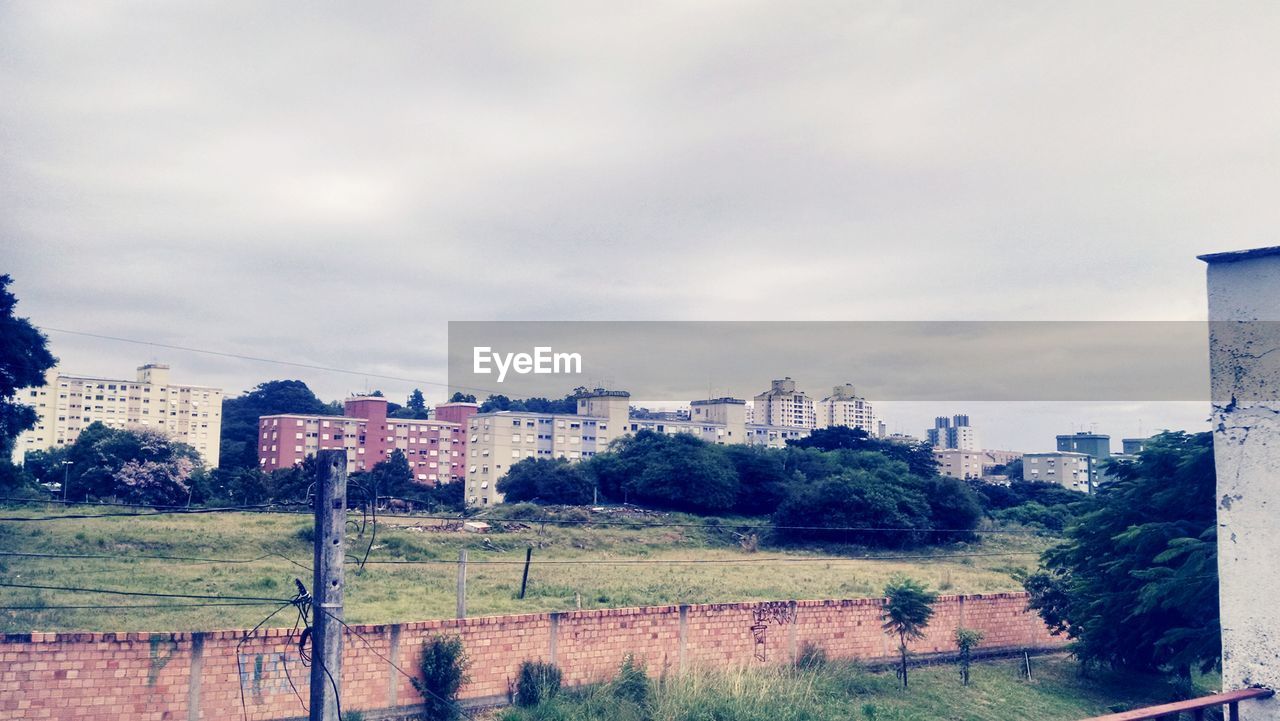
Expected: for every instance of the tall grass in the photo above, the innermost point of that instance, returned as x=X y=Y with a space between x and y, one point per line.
x=843 y=690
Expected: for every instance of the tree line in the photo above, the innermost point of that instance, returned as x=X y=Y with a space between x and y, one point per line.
x=837 y=477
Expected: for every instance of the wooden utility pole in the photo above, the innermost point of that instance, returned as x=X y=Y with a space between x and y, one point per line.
x=524 y=579
x=328 y=584
x=462 y=583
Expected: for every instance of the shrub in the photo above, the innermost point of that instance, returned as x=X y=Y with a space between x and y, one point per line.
x=546 y=480
x=631 y=683
x=537 y=682
x=812 y=656
x=444 y=669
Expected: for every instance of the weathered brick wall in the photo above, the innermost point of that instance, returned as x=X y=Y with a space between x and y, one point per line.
x=193 y=676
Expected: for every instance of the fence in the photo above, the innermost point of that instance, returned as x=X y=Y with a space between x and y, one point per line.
x=224 y=675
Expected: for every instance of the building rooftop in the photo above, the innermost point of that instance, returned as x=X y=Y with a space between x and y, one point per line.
x=1237 y=255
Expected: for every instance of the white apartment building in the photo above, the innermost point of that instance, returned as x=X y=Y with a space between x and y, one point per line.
x=845 y=408
x=497 y=440
x=67 y=404
x=783 y=405
x=954 y=432
x=1066 y=468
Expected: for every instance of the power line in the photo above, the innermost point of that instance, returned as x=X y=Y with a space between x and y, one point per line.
x=723 y=525
x=116 y=592
x=420 y=688
x=707 y=561
x=133 y=605
x=150 y=557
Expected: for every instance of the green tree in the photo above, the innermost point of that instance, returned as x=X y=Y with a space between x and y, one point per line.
x=907 y=610
x=547 y=480
x=679 y=472
x=392 y=477
x=954 y=509
x=459 y=397
x=967 y=639
x=763 y=480
x=239 y=443
x=24 y=358
x=917 y=456
x=1135 y=584
x=415 y=407
x=873 y=501
x=140 y=466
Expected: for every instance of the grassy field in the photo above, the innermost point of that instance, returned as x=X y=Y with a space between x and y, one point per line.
x=998 y=692
x=386 y=591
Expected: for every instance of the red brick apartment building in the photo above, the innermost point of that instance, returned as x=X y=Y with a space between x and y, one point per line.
x=436 y=449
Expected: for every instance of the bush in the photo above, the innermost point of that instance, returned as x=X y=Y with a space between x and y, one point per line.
x=537 y=682
x=443 y=667
x=547 y=480
x=631 y=683
x=881 y=504
x=812 y=657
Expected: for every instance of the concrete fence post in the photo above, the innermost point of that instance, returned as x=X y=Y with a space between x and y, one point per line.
x=1244 y=363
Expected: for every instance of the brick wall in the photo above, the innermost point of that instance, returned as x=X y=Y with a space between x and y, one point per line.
x=192 y=676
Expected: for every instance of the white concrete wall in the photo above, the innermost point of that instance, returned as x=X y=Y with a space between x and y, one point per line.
x=1245 y=374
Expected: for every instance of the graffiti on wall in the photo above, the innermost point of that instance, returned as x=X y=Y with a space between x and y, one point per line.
x=264 y=674
x=779 y=613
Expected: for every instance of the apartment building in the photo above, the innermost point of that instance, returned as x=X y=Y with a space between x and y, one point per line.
x=1066 y=468
x=783 y=405
x=954 y=432
x=435 y=449
x=497 y=440
x=844 y=407
x=958 y=463
x=68 y=403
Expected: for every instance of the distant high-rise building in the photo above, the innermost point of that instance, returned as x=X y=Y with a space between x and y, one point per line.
x=68 y=403
x=1095 y=445
x=783 y=405
x=845 y=408
x=954 y=432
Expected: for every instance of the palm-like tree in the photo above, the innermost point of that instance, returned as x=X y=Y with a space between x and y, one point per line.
x=907 y=611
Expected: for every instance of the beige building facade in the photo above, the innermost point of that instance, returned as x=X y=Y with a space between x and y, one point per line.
x=67 y=404
x=958 y=463
x=497 y=440
x=1065 y=468
x=844 y=407
x=783 y=405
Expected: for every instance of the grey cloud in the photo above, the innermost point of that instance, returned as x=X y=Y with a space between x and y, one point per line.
x=255 y=176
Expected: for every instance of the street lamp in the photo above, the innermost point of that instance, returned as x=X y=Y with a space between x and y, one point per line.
x=66 y=473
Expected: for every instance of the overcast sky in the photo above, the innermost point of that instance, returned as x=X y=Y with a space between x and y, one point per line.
x=330 y=185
